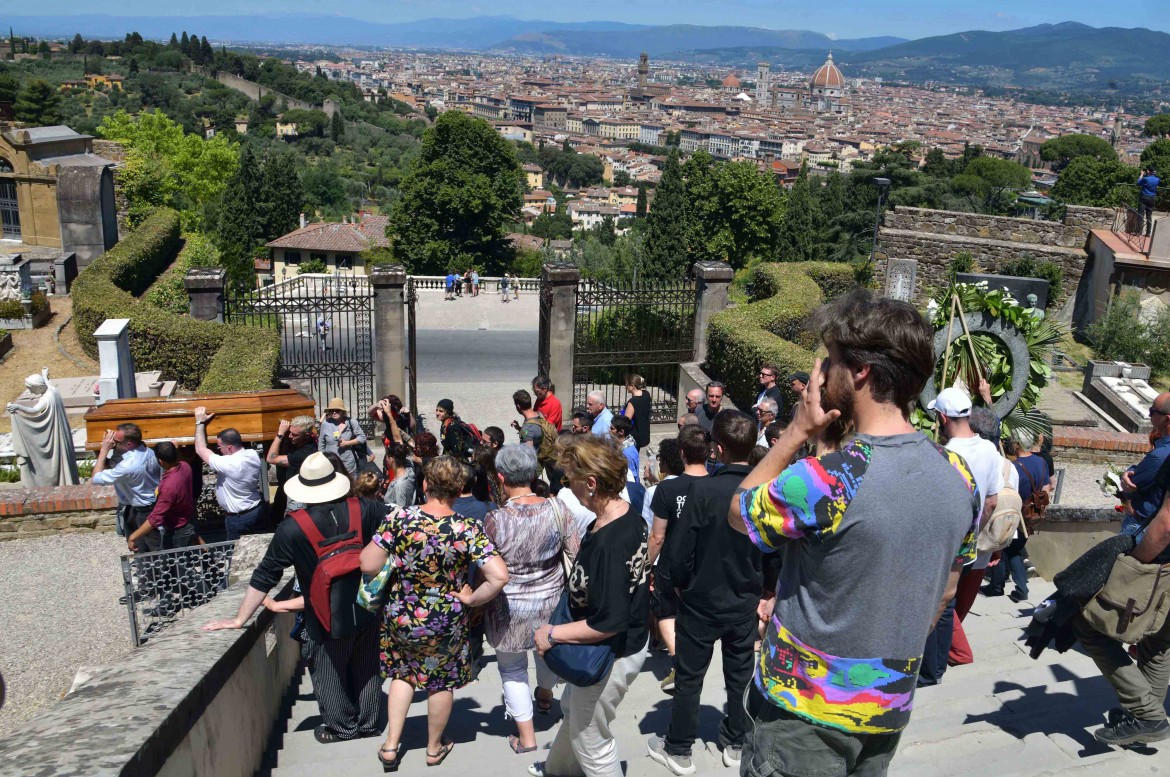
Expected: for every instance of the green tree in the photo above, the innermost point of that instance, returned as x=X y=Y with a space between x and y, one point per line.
x=185 y=43
x=9 y=87
x=282 y=195
x=174 y=42
x=937 y=165
x=431 y=112
x=988 y=182
x=38 y=104
x=640 y=208
x=1105 y=184
x=459 y=199
x=77 y=45
x=44 y=50
x=1060 y=151
x=1158 y=126
x=668 y=225
x=242 y=221
x=621 y=178
x=325 y=189
x=337 y=128
x=797 y=240
x=735 y=212
x=206 y=53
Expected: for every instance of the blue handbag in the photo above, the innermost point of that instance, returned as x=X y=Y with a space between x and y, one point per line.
x=580 y=665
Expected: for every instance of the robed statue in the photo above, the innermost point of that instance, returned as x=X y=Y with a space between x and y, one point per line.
x=41 y=436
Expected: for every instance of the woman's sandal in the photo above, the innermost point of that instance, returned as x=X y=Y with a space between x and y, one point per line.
x=389 y=766
x=444 y=751
x=514 y=743
x=543 y=705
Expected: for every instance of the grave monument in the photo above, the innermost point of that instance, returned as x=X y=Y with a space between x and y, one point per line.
x=41 y=436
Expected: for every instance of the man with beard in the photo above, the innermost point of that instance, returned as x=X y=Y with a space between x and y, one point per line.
x=872 y=537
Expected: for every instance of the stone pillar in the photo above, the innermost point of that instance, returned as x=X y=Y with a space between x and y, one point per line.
x=117 y=365
x=389 y=282
x=711 y=282
x=205 y=288
x=559 y=326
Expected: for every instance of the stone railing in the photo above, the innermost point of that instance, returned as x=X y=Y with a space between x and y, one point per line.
x=486 y=284
x=42 y=512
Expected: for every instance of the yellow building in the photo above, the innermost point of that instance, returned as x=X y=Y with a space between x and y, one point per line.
x=535 y=176
x=55 y=193
x=94 y=80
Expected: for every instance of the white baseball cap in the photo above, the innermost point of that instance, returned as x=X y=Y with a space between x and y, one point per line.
x=951 y=402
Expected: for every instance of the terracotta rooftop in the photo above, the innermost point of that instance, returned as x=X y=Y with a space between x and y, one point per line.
x=339 y=237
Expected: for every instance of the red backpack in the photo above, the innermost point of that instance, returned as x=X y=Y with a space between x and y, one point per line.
x=333 y=589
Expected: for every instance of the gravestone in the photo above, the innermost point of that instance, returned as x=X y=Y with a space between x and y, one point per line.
x=900 y=279
x=15 y=278
x=117 y=364
x=1019 y=287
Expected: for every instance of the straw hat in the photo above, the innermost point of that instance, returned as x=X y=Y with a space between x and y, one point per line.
x=337 y=403
x=317 y=482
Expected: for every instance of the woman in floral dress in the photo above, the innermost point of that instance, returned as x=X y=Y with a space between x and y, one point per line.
x=424 y=626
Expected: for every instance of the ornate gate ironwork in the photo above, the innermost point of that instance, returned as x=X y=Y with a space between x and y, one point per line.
x=326 y=325
x=411 y=299
x=644 y=328
x=9 y=207
x=544 y=352
x=161 y=584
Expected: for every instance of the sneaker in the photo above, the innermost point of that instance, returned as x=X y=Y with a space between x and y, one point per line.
x=536 y=769
x=989 y=591
x=1128 y=730
x=731 y=756
x=667 y=683
x=679 y=764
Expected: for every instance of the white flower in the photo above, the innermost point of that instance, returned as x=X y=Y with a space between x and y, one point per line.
x=932 y=309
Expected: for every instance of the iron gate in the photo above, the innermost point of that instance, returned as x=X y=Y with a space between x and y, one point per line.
x=411 y=299
x=9 y=206
x=645 y=328
x=326 y=325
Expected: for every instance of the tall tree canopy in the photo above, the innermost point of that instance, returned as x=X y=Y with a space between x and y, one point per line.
x=1060 y=151
x=735 y=211
x=668 y=225
x=457 y=202
x=38 y=104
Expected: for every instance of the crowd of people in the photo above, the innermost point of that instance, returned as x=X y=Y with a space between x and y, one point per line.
x=780 y=535
x=468 y=283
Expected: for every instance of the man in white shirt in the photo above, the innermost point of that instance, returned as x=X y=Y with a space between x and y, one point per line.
x=237 y=477
x=767 y=411
x=953 y=409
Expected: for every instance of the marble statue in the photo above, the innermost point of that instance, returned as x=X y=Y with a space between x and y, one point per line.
x=42 y=438
x=9 y=287
x=1032 y=310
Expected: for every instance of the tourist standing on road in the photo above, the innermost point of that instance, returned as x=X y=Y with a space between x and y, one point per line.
x=344 y=654
x=424 y=623
x=293 y=444
x=515 y=284
x=237 y=477
x=134 y=475
x=1034 y=477
x=547 y=403
x=530 y=533
x=953 y=408
x=340 y=434
x=1147 y=198
x=504 y=287
x=172 y=520
x=637 y=409
x=600 y=416
x=474 y=282
x=720 y=579
x=609 y=600
x=709 y=409
x=861 y=582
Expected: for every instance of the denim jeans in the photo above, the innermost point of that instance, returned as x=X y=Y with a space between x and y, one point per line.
x=938 y=646
x=247 y=522
x=780 y=743
x=1012 y=561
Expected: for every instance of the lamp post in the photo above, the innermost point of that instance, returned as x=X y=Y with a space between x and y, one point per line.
x=883 y=185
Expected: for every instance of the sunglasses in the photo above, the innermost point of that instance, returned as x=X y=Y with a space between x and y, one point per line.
x=1155 y=411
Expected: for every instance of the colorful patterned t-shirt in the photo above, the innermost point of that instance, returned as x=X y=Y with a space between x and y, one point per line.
x=868 y=536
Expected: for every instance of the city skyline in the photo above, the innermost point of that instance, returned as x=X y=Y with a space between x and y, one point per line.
x=853 y=19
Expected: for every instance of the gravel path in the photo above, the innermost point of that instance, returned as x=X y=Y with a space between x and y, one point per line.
x=58 y=611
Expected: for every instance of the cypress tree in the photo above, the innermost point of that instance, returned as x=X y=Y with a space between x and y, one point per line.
x=667 y=226
x=282 y=194
x=206 y=54
x=797 y=232
x=38 y=104
x=241 y=221
x=185 y=43
x=173 y=43
x=640 y=210
x=337 y=128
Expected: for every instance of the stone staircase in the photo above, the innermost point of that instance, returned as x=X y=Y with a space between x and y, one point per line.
x=1004 y=715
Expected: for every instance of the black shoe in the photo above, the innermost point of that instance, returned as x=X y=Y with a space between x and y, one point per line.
x=1017 y=597
x=989 y=591
x=326 y=735
x=1132 y=731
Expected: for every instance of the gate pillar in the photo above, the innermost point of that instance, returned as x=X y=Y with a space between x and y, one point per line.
x=389 y=282
x=712 y=280
x=558 y=324
x=205 y=286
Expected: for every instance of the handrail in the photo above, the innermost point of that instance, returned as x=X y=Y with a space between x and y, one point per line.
x=1125 y=221
x=486 y=283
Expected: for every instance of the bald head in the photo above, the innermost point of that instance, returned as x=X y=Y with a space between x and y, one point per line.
x=1160 y=413
x=694 y=399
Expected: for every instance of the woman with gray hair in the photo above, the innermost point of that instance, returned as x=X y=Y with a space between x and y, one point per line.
x=530 y=533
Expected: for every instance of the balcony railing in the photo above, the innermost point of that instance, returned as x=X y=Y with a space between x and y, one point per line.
x=1127 y=225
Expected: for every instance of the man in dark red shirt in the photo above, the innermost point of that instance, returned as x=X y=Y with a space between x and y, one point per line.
x=174 y=510
x=547 y=403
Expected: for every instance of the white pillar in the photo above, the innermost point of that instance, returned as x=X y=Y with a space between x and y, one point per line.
x=117 y=365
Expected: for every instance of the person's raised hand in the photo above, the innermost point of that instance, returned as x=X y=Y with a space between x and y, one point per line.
x=985 y=391
x=810 y=418
x=108 y=440
x=282 y=430
x=202 y=416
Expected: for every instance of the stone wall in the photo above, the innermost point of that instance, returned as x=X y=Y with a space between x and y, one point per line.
x=43 y=512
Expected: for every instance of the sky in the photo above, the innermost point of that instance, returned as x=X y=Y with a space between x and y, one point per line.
x=847 y=19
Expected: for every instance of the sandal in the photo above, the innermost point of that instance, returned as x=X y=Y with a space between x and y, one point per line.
x=389 y=766
x=444 y=751
x=514 y=743
x=543 y=705
x=326 y=735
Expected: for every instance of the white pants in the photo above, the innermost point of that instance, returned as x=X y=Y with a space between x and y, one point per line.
x=514 y=673
x=584 y=745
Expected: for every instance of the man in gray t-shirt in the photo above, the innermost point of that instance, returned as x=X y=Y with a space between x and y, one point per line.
x=873 y=532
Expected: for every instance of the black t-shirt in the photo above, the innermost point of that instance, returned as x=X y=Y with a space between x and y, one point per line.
x=669 y=498
x=608 y=587
x=296 y=457
x=641 y=418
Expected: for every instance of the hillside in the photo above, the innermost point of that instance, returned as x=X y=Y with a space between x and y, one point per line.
x=658 y=41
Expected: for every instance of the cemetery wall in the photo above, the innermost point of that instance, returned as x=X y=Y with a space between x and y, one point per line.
x=41 y=512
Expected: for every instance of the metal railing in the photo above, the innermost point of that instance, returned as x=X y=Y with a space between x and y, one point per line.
x=1128 y=225
x=486 y=284
x=160 y=585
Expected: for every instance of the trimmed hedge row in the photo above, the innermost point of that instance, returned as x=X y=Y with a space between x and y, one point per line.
x=772 y=327
x=183 y=349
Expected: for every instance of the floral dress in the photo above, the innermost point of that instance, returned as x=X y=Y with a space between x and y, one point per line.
x=424 y=627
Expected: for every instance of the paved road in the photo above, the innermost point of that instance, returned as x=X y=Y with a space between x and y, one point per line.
x=475 y=356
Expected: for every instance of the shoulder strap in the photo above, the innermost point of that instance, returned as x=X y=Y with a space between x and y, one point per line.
x=1028 y=475
x=305 y=521
x=355 y=516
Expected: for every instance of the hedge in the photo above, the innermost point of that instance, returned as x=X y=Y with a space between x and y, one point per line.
x=183 y=349
x=168 y=292
x=771 y=329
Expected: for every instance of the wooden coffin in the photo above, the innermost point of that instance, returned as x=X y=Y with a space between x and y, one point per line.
x=255 y=414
